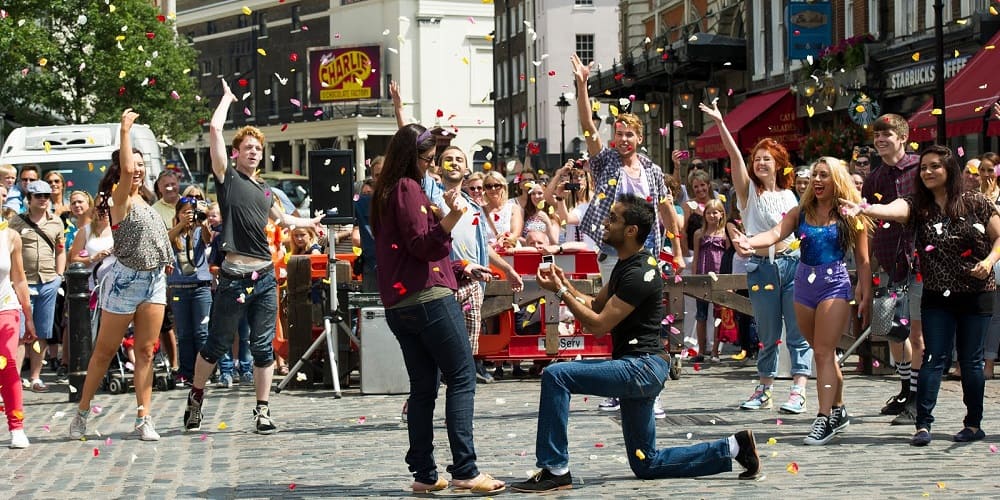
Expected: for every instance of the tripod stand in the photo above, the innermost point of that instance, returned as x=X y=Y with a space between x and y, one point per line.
x=331 y=323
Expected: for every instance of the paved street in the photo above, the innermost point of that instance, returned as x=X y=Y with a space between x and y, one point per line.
x=354 y=447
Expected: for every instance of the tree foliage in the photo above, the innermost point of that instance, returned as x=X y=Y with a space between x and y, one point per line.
x=84 y=61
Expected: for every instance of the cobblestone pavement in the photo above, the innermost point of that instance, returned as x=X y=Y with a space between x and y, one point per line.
x=354 y=447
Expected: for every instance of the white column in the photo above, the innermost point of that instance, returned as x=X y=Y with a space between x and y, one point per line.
x=310 y=145
x=268 y=153
x=359 y=157
x=297 y=166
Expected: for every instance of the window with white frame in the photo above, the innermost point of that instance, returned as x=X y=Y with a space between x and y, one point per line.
x=778 y=40
x=848 y=18
x=929 y=14
x=759 y=40
x=873 y=17
x=585 y=47
x=583 y=3
x=905 y=22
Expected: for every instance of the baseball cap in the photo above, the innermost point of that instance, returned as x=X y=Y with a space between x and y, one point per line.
x=39 y=187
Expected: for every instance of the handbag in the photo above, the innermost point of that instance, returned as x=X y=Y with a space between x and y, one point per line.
x=890 y=312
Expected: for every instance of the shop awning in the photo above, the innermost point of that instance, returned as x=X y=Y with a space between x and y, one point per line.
x=771 y=114
x=968 y=97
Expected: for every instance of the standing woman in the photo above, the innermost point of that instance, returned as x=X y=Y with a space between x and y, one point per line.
x=189 y=287
x=763 y=197
x=135 y=289
x=57 y=182
x=94 y=246
x=504 y=219
x=417 y=282
x=822 y=285
x=957 y=234
x=988 y=164
x=14 y=300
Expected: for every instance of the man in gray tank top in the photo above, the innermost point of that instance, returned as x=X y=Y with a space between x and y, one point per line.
x=247 y=284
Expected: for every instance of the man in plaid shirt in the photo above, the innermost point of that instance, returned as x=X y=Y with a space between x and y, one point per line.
x=620 y=169
x=892 y=244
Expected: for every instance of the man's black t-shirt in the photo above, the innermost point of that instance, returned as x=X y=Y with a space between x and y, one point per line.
x=637 y=282
x=244 y=206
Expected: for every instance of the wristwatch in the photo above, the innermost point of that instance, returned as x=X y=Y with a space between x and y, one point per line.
x=562 y=291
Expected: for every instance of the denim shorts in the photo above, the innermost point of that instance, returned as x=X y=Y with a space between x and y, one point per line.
x=124 y=289
x=814 y=284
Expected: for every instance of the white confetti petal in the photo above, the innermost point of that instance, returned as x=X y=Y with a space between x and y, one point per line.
x=811 y=278
x=649 y=275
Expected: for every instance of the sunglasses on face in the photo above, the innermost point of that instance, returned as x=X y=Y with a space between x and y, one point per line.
x=26 y=179
x=493 y=187
x=475 y=188
x=42 y=195
x=54 y=181
x=192 y=199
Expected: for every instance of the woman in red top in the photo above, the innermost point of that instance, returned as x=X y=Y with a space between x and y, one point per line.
x=417 y=282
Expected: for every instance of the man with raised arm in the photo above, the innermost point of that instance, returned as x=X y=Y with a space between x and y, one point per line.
x=247 y=284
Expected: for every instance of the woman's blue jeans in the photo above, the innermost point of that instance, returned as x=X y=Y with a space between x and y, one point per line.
x=944 y=331
x=226 y=364
x=636 y=381
x=192 y=308
x=772 y=302
x=434 y=341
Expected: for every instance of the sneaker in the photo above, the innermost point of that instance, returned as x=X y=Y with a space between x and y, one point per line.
x=796 y=403
x=895 y=404
x=610 y=404
x=78 y=427
x=821 y=432
x=226 y=381
x=921 y=438
x=839 y=420
x=484 y=377
x=658 y=411
x=18 y=439
x=908 y=415
x=697 y=359
x=759 y=400
x=246 y=378
x=543 y=481
x=145 y=429
x=262 y=419
x=747 y=457
x=192 y=416
x=716 y=359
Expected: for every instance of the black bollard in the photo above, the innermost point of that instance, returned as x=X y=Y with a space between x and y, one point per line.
x=79 y=339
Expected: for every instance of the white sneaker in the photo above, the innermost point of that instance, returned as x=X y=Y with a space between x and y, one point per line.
x=18 y=439
x=78 y=427
x=658 y=411
x=145 y=430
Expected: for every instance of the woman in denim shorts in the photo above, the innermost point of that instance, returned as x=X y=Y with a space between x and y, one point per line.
x=822 y=288
x=135 y=289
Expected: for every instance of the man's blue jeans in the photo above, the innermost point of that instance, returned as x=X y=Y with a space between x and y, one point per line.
x=257 y=300
x=943 y=331
x=772 y=301
x=636 y=381
x=433 y=339
x=192 y=308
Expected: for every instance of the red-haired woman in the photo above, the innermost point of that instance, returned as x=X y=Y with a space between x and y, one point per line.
x=763 y=196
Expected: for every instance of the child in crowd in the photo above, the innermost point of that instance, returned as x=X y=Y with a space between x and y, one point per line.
x=304 y=241
x=710 y=244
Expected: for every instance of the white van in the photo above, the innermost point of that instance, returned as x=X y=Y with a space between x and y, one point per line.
x=81 y=153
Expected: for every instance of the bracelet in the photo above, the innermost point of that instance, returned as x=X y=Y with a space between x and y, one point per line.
x=562 y=291
x=560 y=251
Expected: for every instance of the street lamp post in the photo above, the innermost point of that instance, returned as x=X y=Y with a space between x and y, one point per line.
x=563 y=105
x=942 y=136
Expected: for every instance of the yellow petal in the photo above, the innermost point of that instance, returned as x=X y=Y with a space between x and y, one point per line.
x=612 y=182
x=262 y=52
x=936 y=111
x=795 y=244
x=640 y=455
x=613 y=109
x=247 y=11
x=595 y=106
x=3 y=362
x=35 y=346
x=915 y=57
x=356 y=251
x=531 y=308
x=878 y=196
x=810 y=110
x=768 y=287
x=223 y=426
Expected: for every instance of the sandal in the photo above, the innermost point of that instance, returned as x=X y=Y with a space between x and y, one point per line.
x=422 y=488
x=283 y=370
x=485 y=485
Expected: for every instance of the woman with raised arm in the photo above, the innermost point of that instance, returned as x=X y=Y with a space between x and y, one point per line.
x=135 y=289
x=822 y=284
x=957 y=235
x=763 y=196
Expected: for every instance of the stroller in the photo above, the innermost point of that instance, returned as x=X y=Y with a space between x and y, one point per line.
x=118 y=379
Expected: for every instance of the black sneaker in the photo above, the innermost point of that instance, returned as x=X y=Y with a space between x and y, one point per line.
x=543 y=481
x=747 y=457
x=839 y=420
x=908 y=416
x=192 y=416
x=821 y=432
x=262 y=418
x=895 y=404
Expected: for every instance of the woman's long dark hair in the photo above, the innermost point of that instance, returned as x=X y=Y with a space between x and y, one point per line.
x=923 y=198
x=111 y=177
x=405 y=146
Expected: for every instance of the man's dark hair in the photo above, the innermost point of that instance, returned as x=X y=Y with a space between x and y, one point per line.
x=32 y=168
x=638 y=212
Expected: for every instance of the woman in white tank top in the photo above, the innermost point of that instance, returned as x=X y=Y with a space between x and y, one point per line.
x=13 y=293
x=94 y=245
x=763 y=196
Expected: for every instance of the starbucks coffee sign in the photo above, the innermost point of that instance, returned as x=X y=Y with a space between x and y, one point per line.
x=924 y=74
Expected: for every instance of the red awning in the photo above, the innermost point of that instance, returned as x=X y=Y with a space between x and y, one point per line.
x=968 y=98
x=765 y=115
